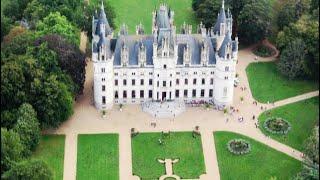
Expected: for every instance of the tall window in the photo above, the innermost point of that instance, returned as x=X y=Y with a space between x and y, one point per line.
x=165 y=66
x=103 y=79
x=185 y=93
x=157 y=83
x=124 y=82
x=133 y=94
x=194 y=81
x=211 y=81
x=194 y=93
x=202 y=93
x=150 y=93
x=203 y=81
x=103 y=70
x=225 y=91
x=141 y=82
x=133 y=82
x=177 y=93
x=103 y=100
x=164 y=83
x=186 y=81
x=141 y=94
x=116 y=96
x=102 y=57
x=170 y=83
x=116 y=82
x=227 y=68
x=150 y=82
x=103 y=88
x=210 y=92
x=177 y=81
x=124 y=94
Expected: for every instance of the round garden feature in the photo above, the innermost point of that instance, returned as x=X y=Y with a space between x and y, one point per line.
x=276 y=125
x=264 y=51
x=239 y=146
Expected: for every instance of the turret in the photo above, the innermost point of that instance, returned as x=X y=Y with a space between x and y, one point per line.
x=187 y=55
x=139 y=29
x=204 y=54
x=142 y=54
x=124 y=54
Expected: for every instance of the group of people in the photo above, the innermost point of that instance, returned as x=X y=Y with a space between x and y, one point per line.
x=243 y=88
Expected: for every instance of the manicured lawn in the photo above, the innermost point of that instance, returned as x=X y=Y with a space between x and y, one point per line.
x=302 y=115
x=132 y=12
x=98 y=156
x=262 y=162
x=146 y=150
x=267 y=84
x=51 y=150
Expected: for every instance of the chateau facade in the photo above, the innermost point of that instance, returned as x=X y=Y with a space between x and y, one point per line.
x=164 y=65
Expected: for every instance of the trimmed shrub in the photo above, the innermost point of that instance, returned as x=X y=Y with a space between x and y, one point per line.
x=239 y=146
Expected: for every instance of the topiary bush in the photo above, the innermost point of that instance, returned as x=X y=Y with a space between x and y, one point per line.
x=276 y=125
x=239 y=146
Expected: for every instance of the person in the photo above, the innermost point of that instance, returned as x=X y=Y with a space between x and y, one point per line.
x=261 y=107
x=253 y=117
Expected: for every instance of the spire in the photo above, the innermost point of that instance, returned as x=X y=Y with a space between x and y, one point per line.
x=222 y=4
x=102 y=7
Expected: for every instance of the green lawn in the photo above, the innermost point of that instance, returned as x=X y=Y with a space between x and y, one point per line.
x=302 y=115
x=98 y=156
x=267 y=84
x=51 y=150
x=146 y=150
x=262 y=162
x=132 y=12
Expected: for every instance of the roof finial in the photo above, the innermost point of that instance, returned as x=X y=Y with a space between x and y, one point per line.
x=222 y=4
x=102 y=7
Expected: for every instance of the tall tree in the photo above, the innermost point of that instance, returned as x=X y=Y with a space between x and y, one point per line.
x=28 y=128
x=254 y=21
x=11 y=149
x=207 y=12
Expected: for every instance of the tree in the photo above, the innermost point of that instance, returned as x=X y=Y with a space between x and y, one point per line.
x=292 y=60
x=52 y=101
x=254 y=21
x=8 y=118
x=5 y=26
x=287 y=15
x=11 y=149
x=196 y=4
x=236 y=7
x=55 y=23
x=70 y=58
x=14 y=9
x=28 y=128
x=207 y=12
x=29 y=169
x=311 y=148
x=14 y=32
x=34 y=12
x=12 y=85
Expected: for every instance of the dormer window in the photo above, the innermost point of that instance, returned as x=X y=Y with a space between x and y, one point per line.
x=165 y=66
x=102 y=57
x=228 y=56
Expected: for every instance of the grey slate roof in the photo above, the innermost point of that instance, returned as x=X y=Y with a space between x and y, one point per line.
x=227 y=40
x=221 y=19
x=133 y=42
x=102 y=20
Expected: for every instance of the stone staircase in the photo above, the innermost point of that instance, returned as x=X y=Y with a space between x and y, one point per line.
x=167 y=109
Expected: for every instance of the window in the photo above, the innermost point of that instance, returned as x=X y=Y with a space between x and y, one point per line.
x=226 y=77
x=177 y=73
x=141 y=82
x=203 y=81
x=165 y=66
x=170 y=75
x=103 y=88
x=185 y=93
x=194 y=93
x=227 y=68
x=211 y=72
x=170 y=83
x=133 y=94
x=225 y=91
x=116 y=82
x=124 y=82
x=124 y=94
x=157 y=83
x=133 y=74
x=150 y=93
x=202 y=93
x=133 y=82
x=228 y=56
x=164 y=83
x=177 y=93
x=158 y=75
x=115 y=74
x=177 y=81
x=210 y=92
x=150 y=82
x=116 y=96
x=141 y=94
x=150 y=73
x=194 y=81
x=103 y=100
x=211 y=81
x=103 y=70
x=103 y=79
x=186 y=81
x=195 y=73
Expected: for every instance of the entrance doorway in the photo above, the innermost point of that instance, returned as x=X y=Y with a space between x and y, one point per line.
x=164 y=96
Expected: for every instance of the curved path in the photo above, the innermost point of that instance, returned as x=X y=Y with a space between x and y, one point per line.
x=86 y=119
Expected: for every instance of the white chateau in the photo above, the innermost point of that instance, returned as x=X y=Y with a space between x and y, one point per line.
x=164 y=65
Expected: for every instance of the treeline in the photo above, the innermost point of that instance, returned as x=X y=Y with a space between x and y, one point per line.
x=42 y=72
x=294 y=23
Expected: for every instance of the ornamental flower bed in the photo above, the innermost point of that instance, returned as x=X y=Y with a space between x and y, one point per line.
x=239 y=146
x=276 y=125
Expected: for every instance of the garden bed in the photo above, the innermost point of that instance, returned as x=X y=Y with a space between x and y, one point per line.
x=263 y=51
